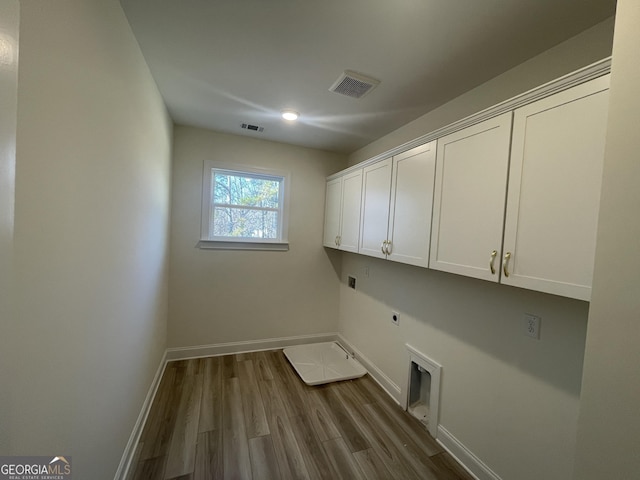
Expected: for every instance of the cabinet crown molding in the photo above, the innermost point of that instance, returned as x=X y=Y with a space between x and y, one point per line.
x=595 y=70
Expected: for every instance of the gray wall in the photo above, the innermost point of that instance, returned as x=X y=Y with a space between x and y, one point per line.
x=220 y=296
x=9 y=23
x=510 y=400
x=91 y=235
x=609 y=424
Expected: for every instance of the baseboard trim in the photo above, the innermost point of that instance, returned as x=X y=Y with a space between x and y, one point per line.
x=378 y=375
x=456 y=449
x=464 y=456
x=472 y=464
x=184 y=353
x=129 y=452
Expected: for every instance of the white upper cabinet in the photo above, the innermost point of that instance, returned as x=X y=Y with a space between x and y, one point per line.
x=350 y=224
x=512 y=199
x=411 y=205
x=376 y=190
x=397 y=199
x=342 y=212
x=469 y=199
x=554 y=191
x=332 y=212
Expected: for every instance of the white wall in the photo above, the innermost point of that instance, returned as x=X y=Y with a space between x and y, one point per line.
x=9 y=22
x=91 y=235
x=219 y=296
x=503 y=394
x=609 y=424
x=512 y=401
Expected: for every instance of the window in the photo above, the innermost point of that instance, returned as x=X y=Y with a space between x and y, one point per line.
x=243 y=208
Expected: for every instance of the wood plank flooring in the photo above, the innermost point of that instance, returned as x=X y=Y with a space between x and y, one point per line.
x=249 y=416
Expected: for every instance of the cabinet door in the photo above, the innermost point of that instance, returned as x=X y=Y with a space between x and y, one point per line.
x=469 y=199
x=376 y=188
x=350 y=218
x=332 y=212
x=554 y=190
x=411 y=205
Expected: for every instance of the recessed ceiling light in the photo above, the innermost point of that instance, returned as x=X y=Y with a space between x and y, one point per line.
x=290 y=115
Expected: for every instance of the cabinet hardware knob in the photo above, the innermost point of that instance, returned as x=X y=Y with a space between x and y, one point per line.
x=505 y=264
x=491 y=260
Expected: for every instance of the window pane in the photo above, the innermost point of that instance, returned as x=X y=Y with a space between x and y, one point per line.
x=243 y=223
x=245 y=190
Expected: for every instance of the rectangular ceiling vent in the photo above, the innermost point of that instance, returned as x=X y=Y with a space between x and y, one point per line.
x=254 y=128
x=353 y=84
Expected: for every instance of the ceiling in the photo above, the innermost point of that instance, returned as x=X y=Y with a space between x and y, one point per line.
x=221 y=63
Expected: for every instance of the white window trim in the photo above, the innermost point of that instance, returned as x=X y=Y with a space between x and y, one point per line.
x=280 y=244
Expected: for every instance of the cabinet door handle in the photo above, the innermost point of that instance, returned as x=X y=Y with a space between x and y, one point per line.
x=505 y=264
x=388 y=249
x=336 y=241
x=383 y=247
x=491 y=260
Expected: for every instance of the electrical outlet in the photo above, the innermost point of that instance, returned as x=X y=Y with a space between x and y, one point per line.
x=532 y=326
x=395 y=318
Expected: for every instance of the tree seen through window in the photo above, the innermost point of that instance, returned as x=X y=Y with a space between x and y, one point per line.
x=245 y=205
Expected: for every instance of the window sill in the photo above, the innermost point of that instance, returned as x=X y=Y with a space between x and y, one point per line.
x=235 y=245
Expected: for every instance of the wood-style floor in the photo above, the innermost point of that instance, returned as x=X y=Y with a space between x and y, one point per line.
x=249 y=416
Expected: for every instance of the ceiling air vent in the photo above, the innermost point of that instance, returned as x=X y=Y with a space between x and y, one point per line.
x=254 y=128
x=354 y=84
